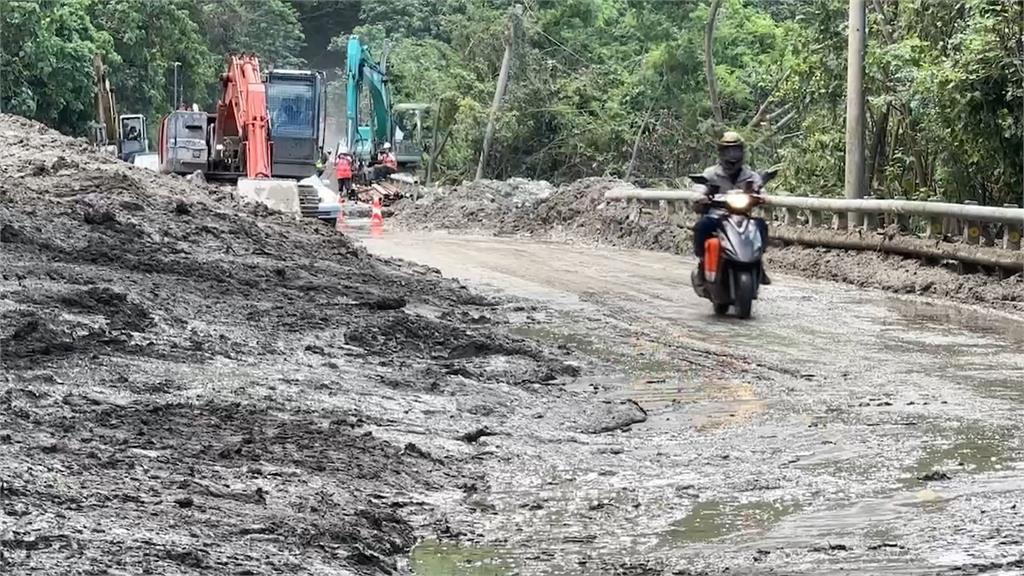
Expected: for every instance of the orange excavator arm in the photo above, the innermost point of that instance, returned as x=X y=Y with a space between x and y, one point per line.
x=242 y=113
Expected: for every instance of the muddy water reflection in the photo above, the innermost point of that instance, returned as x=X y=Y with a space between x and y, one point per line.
x=713 y=519
x=963 y=450
x=433 y=558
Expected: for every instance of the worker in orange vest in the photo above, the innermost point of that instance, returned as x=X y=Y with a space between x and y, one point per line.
x=387 y=158
x=343 y=170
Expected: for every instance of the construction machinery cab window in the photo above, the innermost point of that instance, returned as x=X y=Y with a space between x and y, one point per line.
x=132 y=128
x=292 y=109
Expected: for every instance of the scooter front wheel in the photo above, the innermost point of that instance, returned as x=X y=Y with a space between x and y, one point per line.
x=744 y=288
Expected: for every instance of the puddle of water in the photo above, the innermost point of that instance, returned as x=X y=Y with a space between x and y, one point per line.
x=713 y=519
x=920 y=313
x=433 y=558
x=974 y=451
x=963 y=345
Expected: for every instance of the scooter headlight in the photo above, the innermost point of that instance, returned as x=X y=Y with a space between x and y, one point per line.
x=738 y=202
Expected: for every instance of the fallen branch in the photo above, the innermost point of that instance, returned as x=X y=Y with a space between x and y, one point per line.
x=904 y=246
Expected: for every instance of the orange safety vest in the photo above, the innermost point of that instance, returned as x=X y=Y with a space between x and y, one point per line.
x=390 y=161
x=343 y=169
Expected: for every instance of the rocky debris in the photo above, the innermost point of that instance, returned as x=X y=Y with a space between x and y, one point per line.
x=610 y=416
x=471 y=205
x=578 y=211
x=196 y=177
x=476 y=434
x=212 y=371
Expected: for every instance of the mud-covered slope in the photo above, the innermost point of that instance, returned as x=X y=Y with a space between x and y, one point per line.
x=578 y=211
x=190 y=385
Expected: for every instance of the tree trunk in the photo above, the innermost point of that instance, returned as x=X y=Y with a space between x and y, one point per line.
x=904 y=246
x=877 y=150
x=499 y=93
x=433 y=142
x=709 y=60
x=438 y=149
x=636 y=142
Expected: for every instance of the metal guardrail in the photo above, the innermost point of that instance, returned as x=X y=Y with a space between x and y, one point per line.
x=885 y=225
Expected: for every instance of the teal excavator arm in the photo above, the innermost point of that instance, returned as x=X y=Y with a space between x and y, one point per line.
x=361 y=68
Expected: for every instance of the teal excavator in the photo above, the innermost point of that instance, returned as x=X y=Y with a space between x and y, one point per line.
x=366 y=141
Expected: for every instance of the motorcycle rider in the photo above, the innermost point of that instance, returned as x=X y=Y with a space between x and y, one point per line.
x=728 y=174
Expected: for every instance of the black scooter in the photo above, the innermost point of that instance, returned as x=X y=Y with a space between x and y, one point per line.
x=732 y=257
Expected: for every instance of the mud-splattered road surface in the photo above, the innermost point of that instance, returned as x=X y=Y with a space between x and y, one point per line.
x=840 y=431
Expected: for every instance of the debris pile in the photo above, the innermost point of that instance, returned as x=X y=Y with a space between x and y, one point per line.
x=471 y=205
x=191 y=384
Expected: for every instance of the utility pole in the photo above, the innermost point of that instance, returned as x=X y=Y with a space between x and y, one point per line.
x=499 y=91
x=856 y=37
x=174 y=103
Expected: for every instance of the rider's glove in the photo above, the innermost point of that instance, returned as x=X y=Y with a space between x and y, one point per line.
x=702 y=204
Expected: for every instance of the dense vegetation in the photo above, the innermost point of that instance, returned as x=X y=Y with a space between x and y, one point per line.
x=593 y=82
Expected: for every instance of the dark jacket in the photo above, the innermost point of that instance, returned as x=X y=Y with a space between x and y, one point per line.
x=718 y=178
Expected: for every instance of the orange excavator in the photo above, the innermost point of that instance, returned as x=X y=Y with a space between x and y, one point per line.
x=232 y=145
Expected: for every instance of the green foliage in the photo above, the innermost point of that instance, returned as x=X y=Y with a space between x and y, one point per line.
x=591 y=82
x=269 y=28
x=46 y=61
x=149 y=36
x=945 y=95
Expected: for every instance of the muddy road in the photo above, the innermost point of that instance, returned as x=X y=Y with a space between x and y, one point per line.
x=841 y=430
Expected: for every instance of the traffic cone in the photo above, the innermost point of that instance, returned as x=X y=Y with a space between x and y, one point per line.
x=376 y=219
x=339 y=223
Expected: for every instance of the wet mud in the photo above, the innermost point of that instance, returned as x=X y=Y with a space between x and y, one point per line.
x=193 y=385
x=840 y=431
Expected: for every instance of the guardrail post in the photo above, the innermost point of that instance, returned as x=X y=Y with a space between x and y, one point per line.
x=814 y=218
x=840 y=221
x=792 y=217
x=902 y=220
x=870 y=218
x=935 y=223
x=1011 y=234
x=972 y=229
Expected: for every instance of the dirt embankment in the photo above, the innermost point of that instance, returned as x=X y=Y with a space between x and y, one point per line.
x=578 y=212
x=190 y=385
